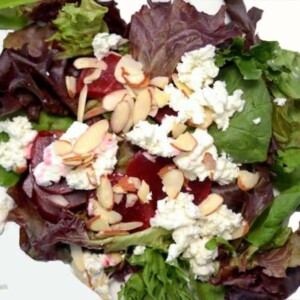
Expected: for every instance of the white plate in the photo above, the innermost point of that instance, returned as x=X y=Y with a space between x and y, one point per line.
x=23 y=278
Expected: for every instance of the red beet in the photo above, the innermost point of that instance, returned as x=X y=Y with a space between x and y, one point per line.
x=44 y=139
x=106 y=83
x=147 y=170
x=165 y=111
x=200 y=190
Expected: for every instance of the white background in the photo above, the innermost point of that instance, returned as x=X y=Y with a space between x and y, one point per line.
x=23 y=278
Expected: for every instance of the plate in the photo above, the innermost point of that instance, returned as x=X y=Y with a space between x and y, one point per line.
x=23 y=278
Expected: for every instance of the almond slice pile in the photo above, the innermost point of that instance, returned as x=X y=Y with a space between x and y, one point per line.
x=81 y=153
x=104 y=220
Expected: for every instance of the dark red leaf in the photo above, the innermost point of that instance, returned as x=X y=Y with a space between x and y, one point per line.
x=161 y=34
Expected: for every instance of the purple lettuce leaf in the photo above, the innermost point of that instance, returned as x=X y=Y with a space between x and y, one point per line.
x=161 y=34
x=34 y=82
x=40 y=239
x=244 y=20
x=251 y=203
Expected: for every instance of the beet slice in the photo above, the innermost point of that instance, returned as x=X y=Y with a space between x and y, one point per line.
x=44 y=139
x=165 y=111
x=106 y=83
x=52 y=211
x=200 y=190
x=145 y=169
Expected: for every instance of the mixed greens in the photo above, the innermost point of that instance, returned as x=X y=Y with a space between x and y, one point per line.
x=37 y=61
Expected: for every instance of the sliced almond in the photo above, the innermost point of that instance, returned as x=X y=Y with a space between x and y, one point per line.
x=163 y=171
x=143 y=192
x=173 y=182
x=118 y=189
x=112 y=217
x=71 y=85
x=109 y=233
x=91 y=138
x=181 y=86
x=208 y=118
x=135 y=181
x=131 y=200
x=209 y=162
x=97 y=224
x=89 y=62
x=120 y=116
x=93 y=76
x=178 y=129
x=127 y=226
x=77 y=159
x=129 y=69
x=210 y=204
x=94 y=112
x=91 y=175
x=247 y=180
x=161 y=98
x=126 y=184
x=62 y=147
x=118 y=198
x=142 y=106
x=241 y=231
x=129 y=123
x=81 y=103
x=160 y=81
x=78 y=258
x=111 y=100
x=185 y=142
x=105 y=193
x=92 y=104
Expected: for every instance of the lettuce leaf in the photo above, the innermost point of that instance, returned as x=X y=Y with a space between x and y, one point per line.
x=157 y=238
x=77 y=26
x=49 y=122
x=10 y=18
x=7 y=178
x=244 y=141
x=14 y=3
x=272 y=219
x=157 y=279
x=161 y=34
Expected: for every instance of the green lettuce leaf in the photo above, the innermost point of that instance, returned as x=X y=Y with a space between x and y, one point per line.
x=252 y=63
x=157 y=279
x=77 y=26
x=244 y=141
x=51 y=122
x=14 y=3
x=157 y=238
x=207 y=291
x=7 y=178
x=271 y=220
x=10 y=18
x=288 y=82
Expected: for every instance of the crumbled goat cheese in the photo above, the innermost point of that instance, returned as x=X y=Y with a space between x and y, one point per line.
x=202 y=260
x=104 y=41
x=198 y=68
x=187 y=108
x=191 y=231
x=139 y=250
x=256 y=121
x=52 y=168
x=280 y=101
x=154 y=138
x=14 y=152
x=6 y=205
x=223 y=105
x=193 y=166
x=95 y=275
x=225 y=170
x=215 y=98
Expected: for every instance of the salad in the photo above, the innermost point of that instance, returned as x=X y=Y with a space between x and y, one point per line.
x=162 y=154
